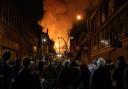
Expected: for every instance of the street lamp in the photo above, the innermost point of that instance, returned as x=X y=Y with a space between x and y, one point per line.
x=44 y=40
x=79 y=17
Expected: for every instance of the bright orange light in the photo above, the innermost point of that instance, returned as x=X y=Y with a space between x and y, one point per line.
x=78 y=17
x=58 y=46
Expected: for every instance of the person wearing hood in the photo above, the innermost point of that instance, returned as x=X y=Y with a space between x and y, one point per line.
x=99 y=79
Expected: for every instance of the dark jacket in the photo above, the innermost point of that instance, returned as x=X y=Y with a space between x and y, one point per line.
x=101 y=79
x=125 y=78
x=26 y=80
x=5 y=75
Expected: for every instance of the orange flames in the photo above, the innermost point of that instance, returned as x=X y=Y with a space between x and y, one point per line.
x=59 y=17
x=59 y=46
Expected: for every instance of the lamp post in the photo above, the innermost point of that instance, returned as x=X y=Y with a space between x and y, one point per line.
x=76 y=32
x=59 y=44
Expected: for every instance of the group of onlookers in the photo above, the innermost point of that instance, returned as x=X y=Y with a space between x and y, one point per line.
x=106 y=75
x=18 y=75
x=29 y=73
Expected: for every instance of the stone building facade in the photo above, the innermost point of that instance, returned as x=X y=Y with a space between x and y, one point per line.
x=19 y=31
x=108 y=26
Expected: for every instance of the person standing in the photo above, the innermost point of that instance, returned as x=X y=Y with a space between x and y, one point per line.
x=125 y=78
x=118 y=72
x=5 y=71
x=26 y=79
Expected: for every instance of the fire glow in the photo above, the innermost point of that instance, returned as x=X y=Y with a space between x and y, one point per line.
x=60 y=15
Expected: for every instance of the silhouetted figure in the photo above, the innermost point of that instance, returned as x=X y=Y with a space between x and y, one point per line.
x=64 y=81
x=75 y=75
x=40 y=67
x=100 y=78
x=84 y=77
x=125 y=78
x=109 y=70
x=35 y=75
x=5 y=71
x=109 y=65
x=50 y=76
x=16 y=67
x=25 y=78
x=118 y=72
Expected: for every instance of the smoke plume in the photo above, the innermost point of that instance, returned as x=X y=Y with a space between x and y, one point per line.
x=61 y=14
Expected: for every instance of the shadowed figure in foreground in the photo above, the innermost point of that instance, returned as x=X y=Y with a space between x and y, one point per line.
x=5 y=71
x=26 y=79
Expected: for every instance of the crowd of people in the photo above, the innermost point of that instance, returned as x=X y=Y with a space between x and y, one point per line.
x=46 y=73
